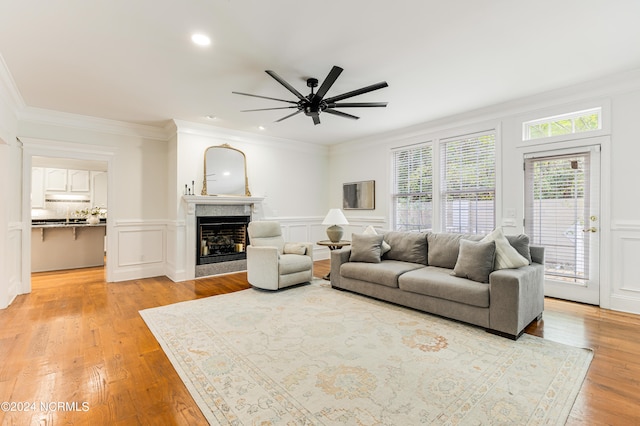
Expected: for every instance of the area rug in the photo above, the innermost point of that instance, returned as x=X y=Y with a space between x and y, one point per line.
x=313 y=355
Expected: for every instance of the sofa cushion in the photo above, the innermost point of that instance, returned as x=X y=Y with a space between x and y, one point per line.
x=475 y=260
x=507 y=257
x=443 y=248
x=438 y=282
x=366 y=248
x=521 y=244
x=407 y=246
x=385 y=273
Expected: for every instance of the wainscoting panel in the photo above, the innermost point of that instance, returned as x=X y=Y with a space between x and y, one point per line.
x=140 y=250
x=14 y=263
x=625 y=286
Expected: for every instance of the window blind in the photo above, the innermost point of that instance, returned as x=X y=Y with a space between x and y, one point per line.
x=468 y=181
x=557 y=211
x=412 y=195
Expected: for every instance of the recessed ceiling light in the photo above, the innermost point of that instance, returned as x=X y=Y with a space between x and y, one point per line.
x=261 y=127
x=210 y=117
x=201 y=39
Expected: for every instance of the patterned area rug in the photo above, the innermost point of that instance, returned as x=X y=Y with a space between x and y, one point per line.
x=314 y=355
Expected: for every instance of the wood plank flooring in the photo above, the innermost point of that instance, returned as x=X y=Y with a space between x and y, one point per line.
x=79 y=341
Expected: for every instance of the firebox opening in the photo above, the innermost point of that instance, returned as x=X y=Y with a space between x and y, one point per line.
x=221 y=239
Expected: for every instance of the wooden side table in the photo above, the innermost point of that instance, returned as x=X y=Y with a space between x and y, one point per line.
x=333 y=246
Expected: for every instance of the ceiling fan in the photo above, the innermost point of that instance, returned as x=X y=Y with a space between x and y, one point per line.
x=315 y=103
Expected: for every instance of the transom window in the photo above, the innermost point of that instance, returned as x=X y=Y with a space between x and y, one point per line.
x=563 y=124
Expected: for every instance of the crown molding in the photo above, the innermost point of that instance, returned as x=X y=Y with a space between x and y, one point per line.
x=231 y=135
x=85 y=122
x=8 y=88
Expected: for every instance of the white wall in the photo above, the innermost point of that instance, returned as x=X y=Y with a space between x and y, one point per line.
x=137 y=180
x=10 y=189
x=620 y=238
x=292 y=176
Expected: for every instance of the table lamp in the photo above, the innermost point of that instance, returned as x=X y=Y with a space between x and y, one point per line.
x=335 y=218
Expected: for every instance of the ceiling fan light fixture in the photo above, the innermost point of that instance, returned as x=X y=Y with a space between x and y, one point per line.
x=315 y=103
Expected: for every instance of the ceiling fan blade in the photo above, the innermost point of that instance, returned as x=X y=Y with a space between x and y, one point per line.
x=341 y=114
x=357 y=92
x=328 y=82
x=285 y=84
x=316 y=118
x=264 y=97
x=357 y=105
x=267 y=109
x=290 y=115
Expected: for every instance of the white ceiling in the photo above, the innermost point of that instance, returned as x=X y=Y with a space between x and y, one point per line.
x=134 y=61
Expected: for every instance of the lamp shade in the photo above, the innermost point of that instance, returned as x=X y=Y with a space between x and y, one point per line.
x=335 y=217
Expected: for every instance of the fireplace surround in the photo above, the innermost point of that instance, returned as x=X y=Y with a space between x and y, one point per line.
x=211 y=208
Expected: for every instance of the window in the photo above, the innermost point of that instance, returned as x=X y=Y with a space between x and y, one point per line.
x=455 y=194
x=468 y=184
x=412 y=196
x=564 y=124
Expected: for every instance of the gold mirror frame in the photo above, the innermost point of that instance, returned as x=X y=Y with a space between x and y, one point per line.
x=213 y=168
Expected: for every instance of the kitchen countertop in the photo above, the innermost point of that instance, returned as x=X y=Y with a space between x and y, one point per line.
x=54 y=223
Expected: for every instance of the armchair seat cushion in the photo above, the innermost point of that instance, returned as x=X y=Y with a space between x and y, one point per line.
x=292 y=263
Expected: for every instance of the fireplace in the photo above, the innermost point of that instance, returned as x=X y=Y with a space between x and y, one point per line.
x=221 y=239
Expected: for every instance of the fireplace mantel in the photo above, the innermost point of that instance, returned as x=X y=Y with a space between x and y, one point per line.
x=193 y=200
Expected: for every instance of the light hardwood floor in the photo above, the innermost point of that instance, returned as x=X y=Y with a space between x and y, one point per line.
x=78 y=340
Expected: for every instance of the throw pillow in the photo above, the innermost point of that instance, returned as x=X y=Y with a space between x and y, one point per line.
x=475 y=260
x=366 y=248
x=407 y=246
x=295 y=248
x=507 y=257
x=370 y=230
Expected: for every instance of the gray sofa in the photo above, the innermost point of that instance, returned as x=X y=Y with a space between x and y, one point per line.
x=417 y=270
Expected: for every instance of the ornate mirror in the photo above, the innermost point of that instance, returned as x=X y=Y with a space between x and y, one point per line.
x=225 y=171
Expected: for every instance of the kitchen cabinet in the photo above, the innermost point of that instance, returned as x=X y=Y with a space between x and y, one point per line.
x=37 y=188
x=66 y=180
x=99 y=189
x=78 y=180
x=55 y=179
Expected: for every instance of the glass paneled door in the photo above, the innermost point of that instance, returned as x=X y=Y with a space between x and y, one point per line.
x=562 y=193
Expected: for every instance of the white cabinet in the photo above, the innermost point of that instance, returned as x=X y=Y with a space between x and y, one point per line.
x=78 y=180
x=55 y=179
x=99 y=189
x=64 y=180
x=37 y=188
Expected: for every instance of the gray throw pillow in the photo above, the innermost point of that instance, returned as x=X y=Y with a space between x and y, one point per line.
x=475 y=260
x=366 y=248
x=407 y=246
x=521 y=244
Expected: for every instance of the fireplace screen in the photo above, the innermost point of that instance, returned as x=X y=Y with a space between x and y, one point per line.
x=221 y=239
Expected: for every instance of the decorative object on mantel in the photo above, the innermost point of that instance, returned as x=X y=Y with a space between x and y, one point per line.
x=225 y=172
x=335 y=218
x=92 y=215
x=315 y=103
x=359 y=195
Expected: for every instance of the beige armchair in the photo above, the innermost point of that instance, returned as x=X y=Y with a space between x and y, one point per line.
x=273 y=264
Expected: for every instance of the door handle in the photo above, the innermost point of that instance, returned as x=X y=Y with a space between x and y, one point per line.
x=592 y=229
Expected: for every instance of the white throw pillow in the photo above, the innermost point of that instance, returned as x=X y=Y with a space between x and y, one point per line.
x=370 y=230
x=507 y=257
